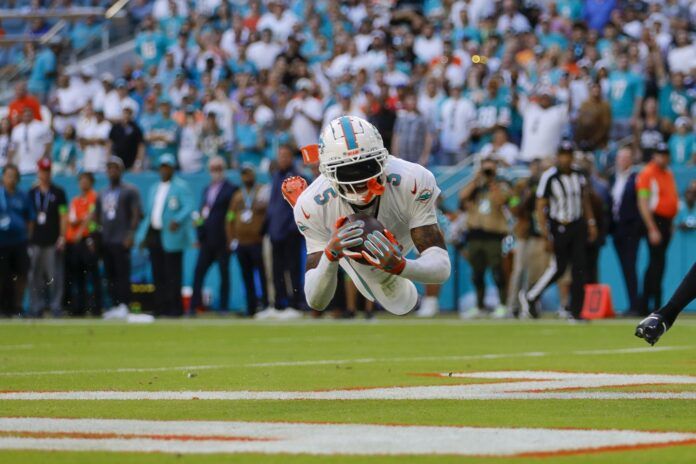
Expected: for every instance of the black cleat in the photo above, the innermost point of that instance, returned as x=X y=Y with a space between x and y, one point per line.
x=652 y=328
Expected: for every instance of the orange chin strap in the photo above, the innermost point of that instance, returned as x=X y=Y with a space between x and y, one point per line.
x=374 y=188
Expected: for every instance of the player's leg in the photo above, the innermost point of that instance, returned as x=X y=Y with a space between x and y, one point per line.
x=494 y=257
x=396 y=294
x=579 y=271
x=554 y=271
x=654 y=326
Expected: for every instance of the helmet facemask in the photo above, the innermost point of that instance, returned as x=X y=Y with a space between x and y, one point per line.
x=360 y=179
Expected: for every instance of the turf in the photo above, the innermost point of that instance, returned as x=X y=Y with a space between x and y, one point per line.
x=240 y=355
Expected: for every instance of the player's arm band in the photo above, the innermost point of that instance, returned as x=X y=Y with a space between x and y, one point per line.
x=431 y=267
x=320 y=283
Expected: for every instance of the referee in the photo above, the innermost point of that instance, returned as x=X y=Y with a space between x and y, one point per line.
x=565 y=219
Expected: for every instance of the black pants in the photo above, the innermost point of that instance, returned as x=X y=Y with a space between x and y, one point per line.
x=82 y=265
x=626 y=242
x=569 y=247
x=207 y=255
x=14 y=269
x=251 y=261
x=167 y=274
x=652 y=280
x=117 y=267
x=683 y=295
x=287 y=259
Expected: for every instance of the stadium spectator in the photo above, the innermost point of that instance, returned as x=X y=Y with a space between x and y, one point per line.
x=245 y=230
x=303 y=114
x=30 y=142
x=66 y=154
x=492 y=111
x=190 y=157
x=83 y=282
x=686 y=218
x=249 y=138
x=163 y=135
x=5 y=140
x=94 y=134
x=211 y=234
x=21 y=101
x=117 y=214
x=593 y=122
x=116 y=101
x=43 y=70
x=682 y=144
x=17 y=217
x=287 y=244
x=166 y=232
x=47 y=244
x=485 y=198
x=543 y=125
x=411 y=140
x=627 y=227
x=600 y=201
x=66 y=103
x=457 y=119
x=658 y=202
x=211 y=141
x=626 y=92
x=649 y=130
x=127 y=142
x=500 y=147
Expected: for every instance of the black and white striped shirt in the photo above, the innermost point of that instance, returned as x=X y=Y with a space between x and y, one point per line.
x=564 y=192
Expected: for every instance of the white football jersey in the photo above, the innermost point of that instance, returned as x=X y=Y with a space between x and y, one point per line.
x=409 y=201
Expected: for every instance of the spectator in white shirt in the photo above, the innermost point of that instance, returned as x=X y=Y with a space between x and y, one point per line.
x=428 y=45
x=457 y=119
x=94 y=140
x=31 y=140
x=67 y=104
x=501 y=147
x=264 y=52
x=343 y=107
x=304 y=114
x=542 y=127
x=116 y=100
x=511 y=19
x=279 y=20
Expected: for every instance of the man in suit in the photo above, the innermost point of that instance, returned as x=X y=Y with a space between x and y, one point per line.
x=626 y=225
x=166 y=232
x=211 y=234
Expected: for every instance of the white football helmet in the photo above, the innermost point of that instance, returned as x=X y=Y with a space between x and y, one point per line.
x=351 y=154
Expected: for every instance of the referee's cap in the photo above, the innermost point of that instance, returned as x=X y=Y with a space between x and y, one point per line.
x=566 y=146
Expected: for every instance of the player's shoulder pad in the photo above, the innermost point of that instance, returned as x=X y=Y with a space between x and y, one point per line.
x=306 y=209
x=413 y=180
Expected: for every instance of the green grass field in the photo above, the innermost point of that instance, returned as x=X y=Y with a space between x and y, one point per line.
x=211 y=355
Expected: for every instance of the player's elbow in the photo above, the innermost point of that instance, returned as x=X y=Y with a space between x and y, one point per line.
x=442 y=272
x=315 y=300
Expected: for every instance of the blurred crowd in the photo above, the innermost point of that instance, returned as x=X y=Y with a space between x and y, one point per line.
x=440 y=79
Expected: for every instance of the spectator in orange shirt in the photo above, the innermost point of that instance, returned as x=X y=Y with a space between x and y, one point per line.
x=23 y=100
x=658 y=202
x=82 y=258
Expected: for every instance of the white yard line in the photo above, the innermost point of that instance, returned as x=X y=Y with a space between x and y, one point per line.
x=523 y=385
x=26 y=346
x=319 y=439
x=320 y=362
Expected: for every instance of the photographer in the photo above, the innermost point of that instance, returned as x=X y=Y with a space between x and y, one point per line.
x=485 y=199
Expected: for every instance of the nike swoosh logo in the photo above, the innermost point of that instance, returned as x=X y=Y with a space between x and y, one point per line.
x=415 y=187
x=305 y=213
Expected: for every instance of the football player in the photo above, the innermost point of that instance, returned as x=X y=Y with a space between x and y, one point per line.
x=655 y=325
x=358 y=175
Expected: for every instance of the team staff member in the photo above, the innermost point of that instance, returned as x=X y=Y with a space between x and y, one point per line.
x=118 y=214
x=16 y=223
x=658 y=202
x=166 y=231
x=565 y=219
x=245 y=228
x=81 y=251
x=47 y=269
x=212 y=238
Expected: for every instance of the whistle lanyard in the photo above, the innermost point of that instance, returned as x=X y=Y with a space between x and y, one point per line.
x=248 y=198
x=42 y=206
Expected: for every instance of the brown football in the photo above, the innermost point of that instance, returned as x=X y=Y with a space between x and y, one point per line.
x=371 y=225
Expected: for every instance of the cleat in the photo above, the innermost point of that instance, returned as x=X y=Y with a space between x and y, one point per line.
x=527 y=308
x=652 y=328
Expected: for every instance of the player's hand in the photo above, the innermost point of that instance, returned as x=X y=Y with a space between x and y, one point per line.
x=384 y=252
x=345 y=236
x=292 y=188
x=654 y=236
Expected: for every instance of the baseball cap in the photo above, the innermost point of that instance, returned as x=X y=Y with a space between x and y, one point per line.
x=246 y=167
x=344 y=91
x=682 y=121
x=107 y=77
x=566 y=146
x=167 y=159
x=44 y=164
x=88 y=70
x=121 y=82
x=116 y=161
x=303 y=84
x=662 y=148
